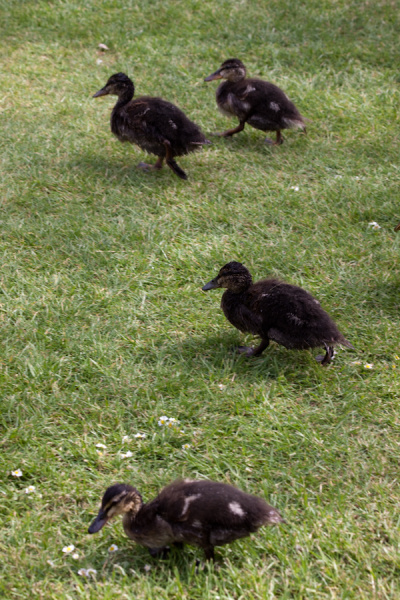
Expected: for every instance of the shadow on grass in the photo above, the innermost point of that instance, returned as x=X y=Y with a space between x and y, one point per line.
x=217 y=356
x=107 y=169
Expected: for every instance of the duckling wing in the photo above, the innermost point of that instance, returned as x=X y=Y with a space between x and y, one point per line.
x=150 y=122
x=267 y=106
x=293 y=317
x=209 y=504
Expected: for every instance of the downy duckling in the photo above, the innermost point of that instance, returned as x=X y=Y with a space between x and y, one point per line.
x=275 y=310
x=199 y=513
x=155 y=125
x=259 y=103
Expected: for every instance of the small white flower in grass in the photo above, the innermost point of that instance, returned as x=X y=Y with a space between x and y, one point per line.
x=126 y=438
x=186 y=447
x=113 y=548
x=16 y=473
x=139 y=436
x=75 y=556
x=374 y=225
x=127 y=454
x=396 y=357
x=356 y=362
x=99 y=61
x=68 y=549
x=163 y=421
x=221 y=386
x=368 y=366
x=30 y=489
x=295 y=188
x=147 y=568
x=87 y=572
x=99 y=445
x=51 y=563
x=103 y=47
x=100 y=453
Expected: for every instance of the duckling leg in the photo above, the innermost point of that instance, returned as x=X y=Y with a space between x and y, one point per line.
x=159 y=552
x=254 y=351
x=278 y=141
x=329 y=354
x=169 y=158
x=230 y=132
x=209 y=552
x=156 y=167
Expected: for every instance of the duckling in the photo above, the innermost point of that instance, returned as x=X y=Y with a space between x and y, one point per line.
x=199 y=513
x=275 y=310
x=155 y=125
x=259 y=103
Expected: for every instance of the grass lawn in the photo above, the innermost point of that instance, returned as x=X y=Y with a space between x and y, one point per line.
x=104 y=327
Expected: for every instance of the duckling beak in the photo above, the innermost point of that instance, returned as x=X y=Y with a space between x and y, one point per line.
x=98 y=523
x=102 y=92
x=211 y=285
x=216 y=75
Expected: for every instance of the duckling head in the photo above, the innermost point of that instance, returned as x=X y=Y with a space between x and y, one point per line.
x=232 y=69
x=118 y=84
x=234 y=276
x=118 y=499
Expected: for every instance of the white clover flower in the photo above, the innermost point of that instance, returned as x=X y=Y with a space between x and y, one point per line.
x=147 y=568
x=16 y=473
x=368 y=366
x=99 y=445
x=186 y=446
x=139 y=436
x=127 y=454
x=126 y=438
x=113 y=548
x=295 y=188
x=374 y=225
x=87 y=572
x=163 y=420
x=30 y=489
x=75 y=556
x=68 y=549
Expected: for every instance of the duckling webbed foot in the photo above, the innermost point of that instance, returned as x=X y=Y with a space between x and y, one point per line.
x=156 y=167
x=248 y=351
x=329 y=355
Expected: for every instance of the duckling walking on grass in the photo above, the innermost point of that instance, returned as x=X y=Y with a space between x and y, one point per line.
x=153 y=124
x=259 y=103
x=199 y=513
x=277 y=311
